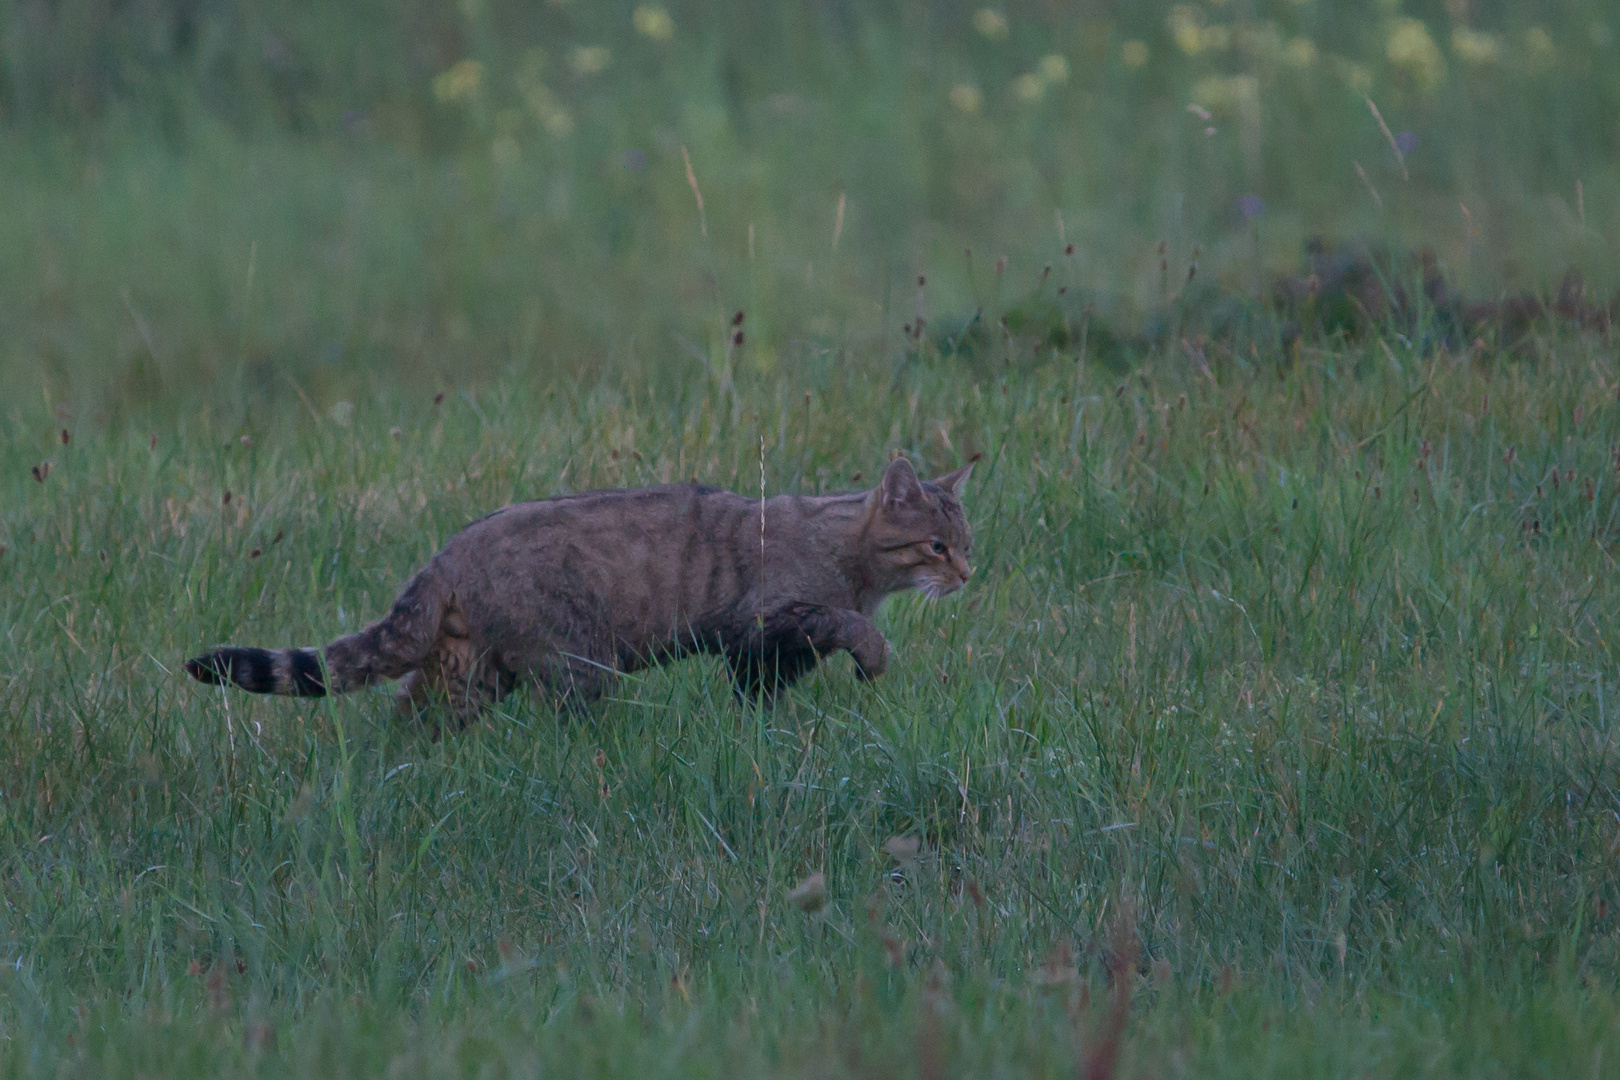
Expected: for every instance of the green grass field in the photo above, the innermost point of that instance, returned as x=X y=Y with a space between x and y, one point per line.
x=1271 y=737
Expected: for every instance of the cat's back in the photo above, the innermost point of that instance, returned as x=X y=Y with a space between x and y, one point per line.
x=636 y=564
x=607 y=526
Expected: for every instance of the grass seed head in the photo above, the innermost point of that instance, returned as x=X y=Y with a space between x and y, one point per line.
x=903 y=849
x=809 y=895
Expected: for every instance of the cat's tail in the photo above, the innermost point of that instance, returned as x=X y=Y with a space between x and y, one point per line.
x=388 y=649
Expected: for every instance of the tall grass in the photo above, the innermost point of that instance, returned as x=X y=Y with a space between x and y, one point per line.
x=1307 y=667
x=1271 y=737
x=457 y=190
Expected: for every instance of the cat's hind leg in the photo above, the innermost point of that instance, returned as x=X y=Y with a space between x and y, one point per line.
x=413 y=696
x=459 y=676
x=576 y=681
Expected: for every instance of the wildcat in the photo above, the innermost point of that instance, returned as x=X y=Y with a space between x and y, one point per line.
x=569 y=592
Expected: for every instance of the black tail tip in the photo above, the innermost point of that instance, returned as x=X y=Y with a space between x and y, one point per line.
x=211 y=670
x=296 y=672
x=251 y=669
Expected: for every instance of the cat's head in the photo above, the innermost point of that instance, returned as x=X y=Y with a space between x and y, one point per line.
x=918 y=535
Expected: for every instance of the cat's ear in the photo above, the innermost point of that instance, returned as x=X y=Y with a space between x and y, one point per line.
x=953 y=482
x=899 y=486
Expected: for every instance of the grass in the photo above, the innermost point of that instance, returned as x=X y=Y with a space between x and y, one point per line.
x=310 y=211
x=1305 y=667
x=1271 y=736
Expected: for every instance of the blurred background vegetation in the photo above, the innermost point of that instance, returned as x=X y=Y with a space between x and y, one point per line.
x=248 y=202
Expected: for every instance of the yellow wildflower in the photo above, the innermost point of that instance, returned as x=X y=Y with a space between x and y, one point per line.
x=1187 y=28
x=1357 y=77
x=991 y=23
x=1227 y=93
x=1134 y=53
x=557 y=121
x=1054 y=68
x=1191 y=36
x=1029 y=87
x=460 y=82
x=966 y=97
x=653 y=22
x=1412 y=51
x=1475 y=46
x=590 y=59
x=1299 y=53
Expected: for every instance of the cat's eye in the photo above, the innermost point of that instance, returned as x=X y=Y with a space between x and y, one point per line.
x=938 y=546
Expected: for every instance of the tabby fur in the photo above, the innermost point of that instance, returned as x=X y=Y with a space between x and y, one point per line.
x=569 y=592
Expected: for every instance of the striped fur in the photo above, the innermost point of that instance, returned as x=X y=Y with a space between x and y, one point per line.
x=567 y=592
x=291 y=672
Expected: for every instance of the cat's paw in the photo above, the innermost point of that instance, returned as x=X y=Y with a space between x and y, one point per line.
x=872 y=657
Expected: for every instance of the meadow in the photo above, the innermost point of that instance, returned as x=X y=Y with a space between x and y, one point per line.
x=1270 y=737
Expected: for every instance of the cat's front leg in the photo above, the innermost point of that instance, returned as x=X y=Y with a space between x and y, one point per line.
x=828 y=629
x=872 y=654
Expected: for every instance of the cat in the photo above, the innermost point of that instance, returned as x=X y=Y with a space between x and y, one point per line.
x=571 y=591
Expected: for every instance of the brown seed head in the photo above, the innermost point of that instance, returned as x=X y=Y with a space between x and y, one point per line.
x=902 y=849
x=809 y=895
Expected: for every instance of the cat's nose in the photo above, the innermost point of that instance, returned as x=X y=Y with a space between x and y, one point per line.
x=963 y=568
